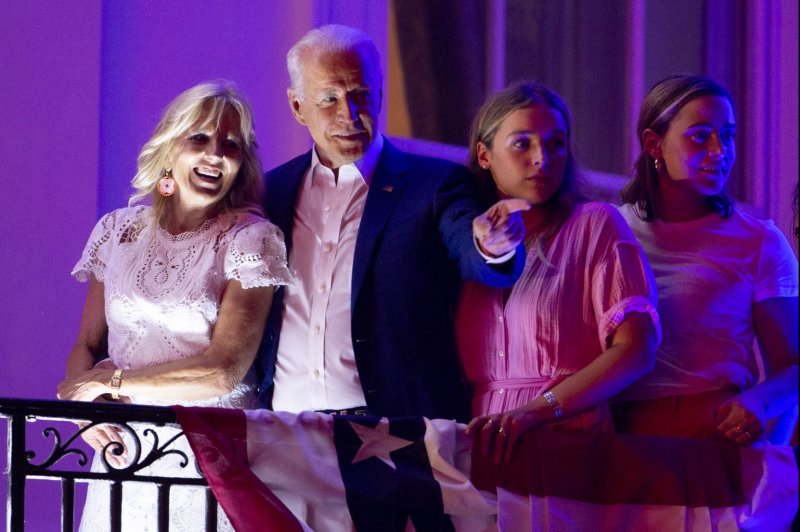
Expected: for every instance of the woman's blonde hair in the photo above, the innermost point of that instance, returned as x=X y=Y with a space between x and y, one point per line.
x=200 y=105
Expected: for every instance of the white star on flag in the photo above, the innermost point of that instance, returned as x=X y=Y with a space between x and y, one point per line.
x=377 y=442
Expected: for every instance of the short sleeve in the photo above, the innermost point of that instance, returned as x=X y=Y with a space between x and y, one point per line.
x=622 y=281
x=777 y=267
x=257 y=256
x=97 y=252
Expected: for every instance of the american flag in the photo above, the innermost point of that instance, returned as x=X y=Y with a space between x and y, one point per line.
x=312 y=471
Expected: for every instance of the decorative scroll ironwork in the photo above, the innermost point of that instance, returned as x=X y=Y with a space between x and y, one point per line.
x=135 y=446
x=139 y=427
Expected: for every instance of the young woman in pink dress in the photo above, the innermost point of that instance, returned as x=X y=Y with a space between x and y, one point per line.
x=581 y=323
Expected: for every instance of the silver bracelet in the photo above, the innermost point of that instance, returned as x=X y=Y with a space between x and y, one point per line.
x=553 y=402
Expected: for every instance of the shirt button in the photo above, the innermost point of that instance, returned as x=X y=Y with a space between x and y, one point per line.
x=316 y=373
x=328 y=248
x=316 y=329
x=502 y=391
x=500 y=319
x=326 y=208
x=501 y=353
x=322 y=288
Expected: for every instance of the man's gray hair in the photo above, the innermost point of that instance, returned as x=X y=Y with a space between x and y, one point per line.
x=332 y=38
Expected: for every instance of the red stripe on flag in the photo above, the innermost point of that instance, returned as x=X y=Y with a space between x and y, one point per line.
x=218 y=437
x=618 y=469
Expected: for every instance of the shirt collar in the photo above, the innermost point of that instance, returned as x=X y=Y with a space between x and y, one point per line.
x=364 y=167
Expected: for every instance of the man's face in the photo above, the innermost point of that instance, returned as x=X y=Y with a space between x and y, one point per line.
x=340 y=104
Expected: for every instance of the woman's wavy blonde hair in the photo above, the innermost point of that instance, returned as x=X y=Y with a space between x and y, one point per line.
x=200 y=105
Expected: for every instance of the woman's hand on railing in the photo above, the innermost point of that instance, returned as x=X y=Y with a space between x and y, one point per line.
x=90 y=385
x=99 y=437
x=87 y=386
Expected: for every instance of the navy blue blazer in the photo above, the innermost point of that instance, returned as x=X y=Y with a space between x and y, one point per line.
x=414 y=246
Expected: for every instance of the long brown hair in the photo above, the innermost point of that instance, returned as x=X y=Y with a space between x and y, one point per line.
x=659 y=108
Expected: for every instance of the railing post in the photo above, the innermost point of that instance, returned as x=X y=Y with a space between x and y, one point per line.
x=115 y=497
x=163 y=507
x=67 y=505
x=211 y=511
x=17 y=462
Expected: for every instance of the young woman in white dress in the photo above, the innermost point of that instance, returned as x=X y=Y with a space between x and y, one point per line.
x=178 y=292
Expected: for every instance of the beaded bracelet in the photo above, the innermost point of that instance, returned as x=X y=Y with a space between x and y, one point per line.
x=558 y=413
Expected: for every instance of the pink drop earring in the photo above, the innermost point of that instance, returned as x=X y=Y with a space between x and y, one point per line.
x=166 y=185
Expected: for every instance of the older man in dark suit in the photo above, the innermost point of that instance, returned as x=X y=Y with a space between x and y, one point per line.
x=379 y=241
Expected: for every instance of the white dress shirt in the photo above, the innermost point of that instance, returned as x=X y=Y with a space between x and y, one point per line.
x=316 y=367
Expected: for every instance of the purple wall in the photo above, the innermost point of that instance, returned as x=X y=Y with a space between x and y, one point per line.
x=50 y=116
x=48 y=153
x=147 y=60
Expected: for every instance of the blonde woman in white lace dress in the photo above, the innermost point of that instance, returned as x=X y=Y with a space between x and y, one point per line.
x=178 y=290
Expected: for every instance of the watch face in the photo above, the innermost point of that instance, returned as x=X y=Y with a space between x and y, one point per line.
x=116 y=381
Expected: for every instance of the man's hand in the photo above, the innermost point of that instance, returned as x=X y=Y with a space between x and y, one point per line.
x=500 y=229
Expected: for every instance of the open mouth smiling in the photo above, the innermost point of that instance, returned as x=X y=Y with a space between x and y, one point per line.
x=208 y=173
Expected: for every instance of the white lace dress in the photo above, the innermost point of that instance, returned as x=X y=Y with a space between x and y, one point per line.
x=162 y=297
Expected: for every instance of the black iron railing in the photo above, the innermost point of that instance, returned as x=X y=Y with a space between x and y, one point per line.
x=65 y=458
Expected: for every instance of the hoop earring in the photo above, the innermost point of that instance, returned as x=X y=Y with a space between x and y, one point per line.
x=659 y=164
x=166 y=185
